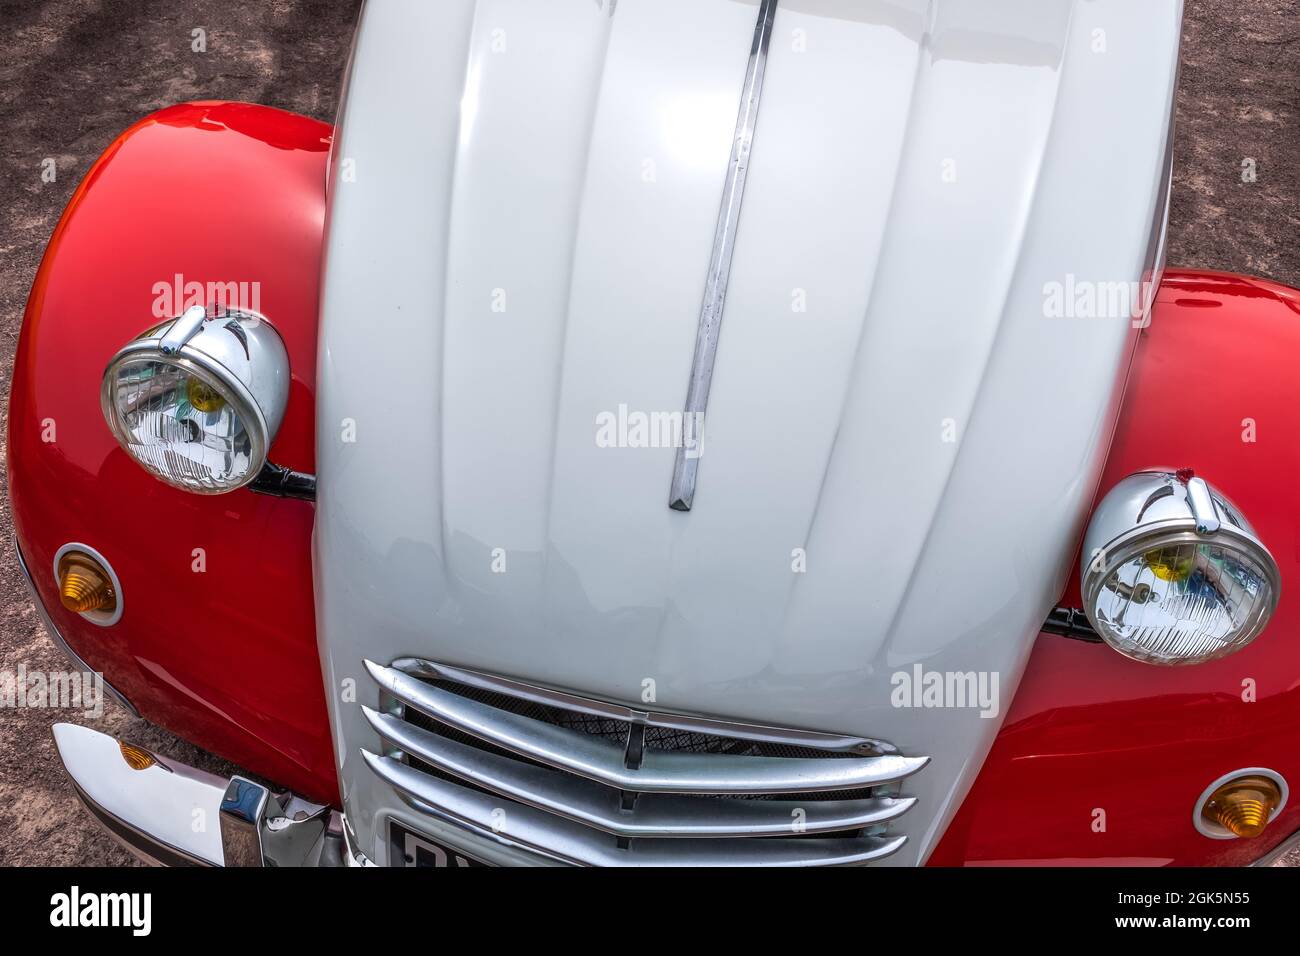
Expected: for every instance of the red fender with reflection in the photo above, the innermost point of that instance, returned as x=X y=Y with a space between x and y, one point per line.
x=217 y=639
x=1101 y=759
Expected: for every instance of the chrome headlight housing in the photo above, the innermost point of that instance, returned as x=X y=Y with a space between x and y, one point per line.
x=1173 y=574
x=198 y=400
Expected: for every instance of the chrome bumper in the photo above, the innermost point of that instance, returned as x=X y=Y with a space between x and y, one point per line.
x=168 y=814
x=164 y=813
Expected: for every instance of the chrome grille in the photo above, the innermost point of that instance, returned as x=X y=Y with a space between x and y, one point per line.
x=592 y=783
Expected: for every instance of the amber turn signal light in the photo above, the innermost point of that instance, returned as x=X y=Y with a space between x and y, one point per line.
x=1243 y=806
x=84 y=584
x=136 y=758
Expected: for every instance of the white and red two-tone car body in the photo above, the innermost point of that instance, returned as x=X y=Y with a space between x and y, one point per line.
x=419 y=555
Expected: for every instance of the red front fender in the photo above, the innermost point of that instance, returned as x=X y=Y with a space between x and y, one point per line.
x=1102 y=759
x=217 y=638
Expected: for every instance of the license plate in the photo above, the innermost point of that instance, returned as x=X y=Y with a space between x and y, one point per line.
x=413 y=849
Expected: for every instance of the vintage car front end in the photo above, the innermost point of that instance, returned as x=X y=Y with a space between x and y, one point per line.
x=557 y=614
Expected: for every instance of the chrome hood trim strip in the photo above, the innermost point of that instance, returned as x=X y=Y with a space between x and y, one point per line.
x=682 y=493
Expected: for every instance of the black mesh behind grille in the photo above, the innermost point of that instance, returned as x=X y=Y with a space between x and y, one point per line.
x=590 y=724
x=613 y=729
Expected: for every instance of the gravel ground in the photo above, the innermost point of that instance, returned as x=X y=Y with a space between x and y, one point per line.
x=75 y=73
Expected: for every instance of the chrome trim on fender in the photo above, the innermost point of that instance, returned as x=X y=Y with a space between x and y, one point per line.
x=57 y=637
x=682 y=493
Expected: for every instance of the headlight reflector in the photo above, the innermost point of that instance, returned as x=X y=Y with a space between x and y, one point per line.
x=1173 y=574
x=197 y=402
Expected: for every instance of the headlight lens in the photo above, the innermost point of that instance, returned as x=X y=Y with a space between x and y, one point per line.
x=181 y=426
x=1183 y=602
x=1173 y=574
x=197 y=401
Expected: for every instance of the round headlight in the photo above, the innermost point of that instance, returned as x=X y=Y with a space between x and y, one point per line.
x=1173 y=574
x=198 y=401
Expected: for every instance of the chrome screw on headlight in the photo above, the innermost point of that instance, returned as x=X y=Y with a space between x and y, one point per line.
x=197 y=401
x=1173 y=574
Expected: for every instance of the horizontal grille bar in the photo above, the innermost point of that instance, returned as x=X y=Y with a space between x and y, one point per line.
x=652 y=815
x=661 y=772
x=702 y=725
x=572 y=842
